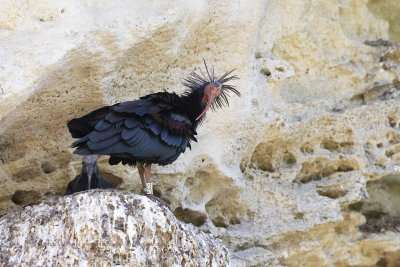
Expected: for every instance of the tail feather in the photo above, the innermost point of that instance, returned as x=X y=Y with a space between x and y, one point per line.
x=83 y=150
x=81 y=142
x=80 y=127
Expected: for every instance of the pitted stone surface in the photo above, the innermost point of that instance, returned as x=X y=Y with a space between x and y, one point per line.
x=104 y=228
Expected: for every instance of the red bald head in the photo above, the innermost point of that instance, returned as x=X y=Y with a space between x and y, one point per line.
x=211 y=92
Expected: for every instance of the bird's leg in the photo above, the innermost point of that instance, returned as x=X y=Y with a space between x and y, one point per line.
x=149 y=185
x=141 y=174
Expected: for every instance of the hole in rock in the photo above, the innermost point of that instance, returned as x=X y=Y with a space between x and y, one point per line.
x=262 y=157
x=299 y=215
x=156 y=192
x=194 y=217
x=393 y=137
x=272 y=155
x=393 y=120
x=114 y=180
x=333 y=145
x=220 y=221
x=322 y=167
x=234 y=220
x=266 y=72
x=382 y=208
x=392 y=151
x=227 y=209
x=26 y=198
x=47 y=167
x=166 y=198
x=333 y=193
x=337 y=109
x=289 y=158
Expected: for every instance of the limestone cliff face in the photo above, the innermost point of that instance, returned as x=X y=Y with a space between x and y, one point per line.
x=303 y=169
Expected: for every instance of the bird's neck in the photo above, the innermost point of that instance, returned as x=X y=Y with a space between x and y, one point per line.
x=193 y=106
x=83 y=182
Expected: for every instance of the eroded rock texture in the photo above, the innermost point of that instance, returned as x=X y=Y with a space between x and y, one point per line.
x=104 y=228
x=302 y=170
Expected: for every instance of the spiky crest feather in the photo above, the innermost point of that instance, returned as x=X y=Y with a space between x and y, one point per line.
x=196 y=83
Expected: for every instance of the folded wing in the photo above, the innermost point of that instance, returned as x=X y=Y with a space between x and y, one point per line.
x=148 y=130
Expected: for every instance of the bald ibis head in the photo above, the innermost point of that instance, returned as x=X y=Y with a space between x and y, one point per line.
x=89 y=166
x=211 y=92
x=215 y=91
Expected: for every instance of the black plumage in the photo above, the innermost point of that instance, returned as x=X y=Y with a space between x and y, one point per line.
x=89 y=177
x=156 y=128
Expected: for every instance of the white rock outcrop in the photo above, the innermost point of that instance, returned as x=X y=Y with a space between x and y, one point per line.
x=104 y=228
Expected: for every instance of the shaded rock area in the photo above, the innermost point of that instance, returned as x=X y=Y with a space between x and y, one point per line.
x=104 y=228
x=382 y=208
x=301 y=170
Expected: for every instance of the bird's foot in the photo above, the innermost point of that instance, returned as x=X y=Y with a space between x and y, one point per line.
x=149 y=189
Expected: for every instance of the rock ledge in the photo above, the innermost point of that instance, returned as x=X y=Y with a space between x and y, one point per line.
x=104 y=228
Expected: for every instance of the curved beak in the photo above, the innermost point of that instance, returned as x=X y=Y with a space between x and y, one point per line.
x=210 y=100
x=89 y=172
x=210 y=93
